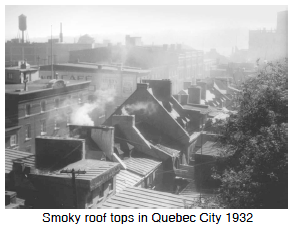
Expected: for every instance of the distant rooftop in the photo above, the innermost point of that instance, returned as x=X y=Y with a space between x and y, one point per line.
x=38 y=85
x=105 y=67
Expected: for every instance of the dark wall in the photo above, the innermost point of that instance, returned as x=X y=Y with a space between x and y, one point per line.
x=56 y=153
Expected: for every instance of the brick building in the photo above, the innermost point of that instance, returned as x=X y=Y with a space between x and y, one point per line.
x=119 y=80
x=176 y=62
x=43 y=108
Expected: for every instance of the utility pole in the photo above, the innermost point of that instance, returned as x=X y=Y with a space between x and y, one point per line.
x=73 y=172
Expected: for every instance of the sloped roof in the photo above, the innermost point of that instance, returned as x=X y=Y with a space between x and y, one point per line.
x=12 y=155
x=140 y=198
x=209 y=148
x=126 y=179
x=169 y=150
x=141 y=166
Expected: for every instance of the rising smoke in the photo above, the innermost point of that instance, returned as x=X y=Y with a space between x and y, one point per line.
x=148 y=108
x=81 y=114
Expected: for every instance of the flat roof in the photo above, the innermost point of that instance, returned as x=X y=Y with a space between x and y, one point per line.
x=38 y=85
x=102 y=67
x=140 y=198
x=97 y=172
x=20 y=69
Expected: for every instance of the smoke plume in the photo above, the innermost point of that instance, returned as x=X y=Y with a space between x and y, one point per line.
x=148 y=108
x=81 y=114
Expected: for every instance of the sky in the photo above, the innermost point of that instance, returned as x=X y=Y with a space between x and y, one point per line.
x=202 y=27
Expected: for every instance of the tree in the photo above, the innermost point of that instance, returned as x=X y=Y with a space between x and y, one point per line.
x=255 y=142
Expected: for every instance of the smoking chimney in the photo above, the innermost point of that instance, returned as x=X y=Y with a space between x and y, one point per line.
x=61 y=34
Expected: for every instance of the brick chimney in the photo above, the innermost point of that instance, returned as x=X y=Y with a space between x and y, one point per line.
x=186 y=85
x=203 y=86
x=104 y=138
x=194 y=95
x=184 y=99
x=162 y=89
x=142 y=86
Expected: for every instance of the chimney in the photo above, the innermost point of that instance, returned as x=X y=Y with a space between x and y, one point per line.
x=186 y=85
x=162 y=89
x=194 y=95
x=61 y=34
x=104 y=138
x=142 y=86
x=52 y=152
x=125 y=120
x=203 y=86
x=184 y=99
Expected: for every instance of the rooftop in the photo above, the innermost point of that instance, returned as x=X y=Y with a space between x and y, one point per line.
x=139 y=198
x=105 y=67
x=209 y=148
x=21 y=69
x=97 y=172
x=141 y=166
x=38 y=85
x=126 y=179
x=13 y=155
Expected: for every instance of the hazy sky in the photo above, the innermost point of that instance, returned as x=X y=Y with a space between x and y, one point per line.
x=198 y=26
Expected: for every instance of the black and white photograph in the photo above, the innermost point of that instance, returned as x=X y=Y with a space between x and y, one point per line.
x=146 y=107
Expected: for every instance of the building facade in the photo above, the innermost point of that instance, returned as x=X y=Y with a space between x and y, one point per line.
x=43 y=109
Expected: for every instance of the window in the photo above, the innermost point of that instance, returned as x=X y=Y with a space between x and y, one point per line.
x=43 y=127
x=27 y=109
x=13 y=140
x=43 y=106
x=57 y=125
x=28 y=132
x=10 y=76
x=57 y=103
